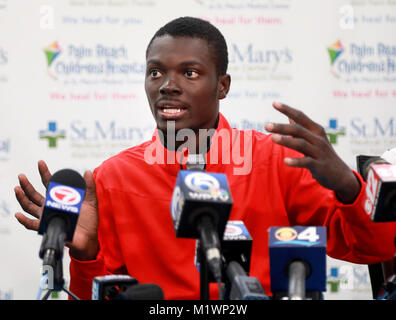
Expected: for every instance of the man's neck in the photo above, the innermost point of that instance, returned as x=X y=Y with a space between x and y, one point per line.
x=196 y=141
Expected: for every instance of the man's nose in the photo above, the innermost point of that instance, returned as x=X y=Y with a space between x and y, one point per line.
x=170 y=86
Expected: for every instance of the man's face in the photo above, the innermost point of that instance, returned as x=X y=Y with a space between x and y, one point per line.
x=181 y=83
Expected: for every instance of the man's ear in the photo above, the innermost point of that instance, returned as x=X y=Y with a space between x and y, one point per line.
x=224 y=86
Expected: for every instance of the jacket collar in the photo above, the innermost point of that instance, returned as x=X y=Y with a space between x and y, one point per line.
x=174 y=161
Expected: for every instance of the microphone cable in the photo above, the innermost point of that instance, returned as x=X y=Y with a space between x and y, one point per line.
x=221 y=290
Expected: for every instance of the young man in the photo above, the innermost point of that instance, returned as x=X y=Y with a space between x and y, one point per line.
x=293 y=177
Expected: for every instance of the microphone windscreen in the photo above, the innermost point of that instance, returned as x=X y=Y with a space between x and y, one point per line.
x=70 y=178
x=363 y=164
x=144 y=291
x=64 y=197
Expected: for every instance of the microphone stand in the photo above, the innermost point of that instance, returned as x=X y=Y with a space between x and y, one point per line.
x=297 y=275
x=196 y=162
x=203 y=274
x=392 y=295
x=59 y=282
x=51 y=251
x=389 y=286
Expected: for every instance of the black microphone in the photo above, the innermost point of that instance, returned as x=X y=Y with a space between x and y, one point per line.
x=65 y=194
x=124 y=287
x=109 y=286
x=142 y=291
x=380 y=198
x=236 y=251
x=235 y=246
x=243 y=287
x=364 y=163
x=200 y=208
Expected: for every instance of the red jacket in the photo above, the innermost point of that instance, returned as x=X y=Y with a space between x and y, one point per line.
x=136 y=232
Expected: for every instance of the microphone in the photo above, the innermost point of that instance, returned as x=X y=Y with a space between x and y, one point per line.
x=364 y=162
x=243 y=287
x=380 y=197
x=143 y=291
x=200 y=207
x=109 y=286
x=236 y=252
x=379 y=203
x=124 y=287
x=64 y=197
x=235 y=246
x=297 y=262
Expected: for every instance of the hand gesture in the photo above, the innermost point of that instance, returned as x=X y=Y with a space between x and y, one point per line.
x=309 y=138
x=85 y=241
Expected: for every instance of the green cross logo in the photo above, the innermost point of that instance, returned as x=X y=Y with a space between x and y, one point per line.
x=52 y=134
x=333 y=131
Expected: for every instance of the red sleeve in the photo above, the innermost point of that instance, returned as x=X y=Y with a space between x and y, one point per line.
x=354 y=237
x=351 y=235
x=109 y=259
x=82 y=274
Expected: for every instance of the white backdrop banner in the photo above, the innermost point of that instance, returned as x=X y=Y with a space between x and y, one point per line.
x=71 y=91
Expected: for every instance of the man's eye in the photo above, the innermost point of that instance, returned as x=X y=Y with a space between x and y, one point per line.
x=191 y=74
x=155 y=73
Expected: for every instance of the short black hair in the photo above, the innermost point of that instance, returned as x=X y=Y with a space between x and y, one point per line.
x=197 y=28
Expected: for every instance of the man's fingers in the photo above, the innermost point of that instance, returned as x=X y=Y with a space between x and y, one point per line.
x=298 y=117
x=30 y=191
x=298 y=144
x=45 y=174
x=27 y=205
x=31 y=224
x=293 y=114
x=303 y=162
x=294 y=130
x=90 y=195
x=291 y=121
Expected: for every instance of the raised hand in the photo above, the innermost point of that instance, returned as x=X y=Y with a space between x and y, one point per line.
x=309 y=138
x=85 y=241
x=30 y=200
